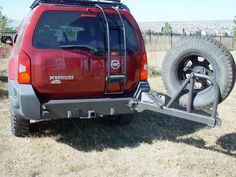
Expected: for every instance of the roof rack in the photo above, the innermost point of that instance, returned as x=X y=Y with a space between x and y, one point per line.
x=105 y=3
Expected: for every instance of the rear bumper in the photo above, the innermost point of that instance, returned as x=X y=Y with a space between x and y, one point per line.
x=86 y=108
x=25 y=103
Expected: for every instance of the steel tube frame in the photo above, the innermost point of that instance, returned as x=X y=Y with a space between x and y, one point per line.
x=158 y=107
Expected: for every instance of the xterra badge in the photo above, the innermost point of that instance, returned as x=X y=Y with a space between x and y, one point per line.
x=58 y=79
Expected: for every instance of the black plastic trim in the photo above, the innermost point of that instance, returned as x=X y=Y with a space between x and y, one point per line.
x=103 y=3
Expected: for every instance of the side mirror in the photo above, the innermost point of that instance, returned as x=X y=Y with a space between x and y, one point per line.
x=7 y=40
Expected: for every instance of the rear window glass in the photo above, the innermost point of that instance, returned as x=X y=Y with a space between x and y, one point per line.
x=59 y=29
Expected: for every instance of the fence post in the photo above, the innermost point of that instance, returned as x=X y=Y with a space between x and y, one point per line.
x=150 y=36
x=232 y=43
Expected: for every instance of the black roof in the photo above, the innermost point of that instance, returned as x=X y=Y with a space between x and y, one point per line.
x=104 y=3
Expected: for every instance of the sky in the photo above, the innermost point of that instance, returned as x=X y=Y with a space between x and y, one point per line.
x=151 y=10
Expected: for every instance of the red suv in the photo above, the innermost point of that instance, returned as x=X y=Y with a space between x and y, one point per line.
x=76 y=59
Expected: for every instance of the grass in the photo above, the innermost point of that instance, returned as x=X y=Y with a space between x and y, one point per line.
x=3 y=90
x=154 y=71
x=153 y=145
x=3 y=69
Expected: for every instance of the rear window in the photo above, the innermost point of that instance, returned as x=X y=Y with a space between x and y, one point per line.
x=59 y=29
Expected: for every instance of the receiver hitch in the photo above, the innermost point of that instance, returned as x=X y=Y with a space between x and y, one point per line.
x=155 y=102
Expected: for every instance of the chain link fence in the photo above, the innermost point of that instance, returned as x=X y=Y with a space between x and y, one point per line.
x=158 y=41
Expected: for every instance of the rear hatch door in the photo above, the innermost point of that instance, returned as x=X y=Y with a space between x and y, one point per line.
x=71 y=54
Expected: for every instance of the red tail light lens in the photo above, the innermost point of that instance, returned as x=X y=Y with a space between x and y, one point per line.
x=24 y=75
x=144 y=67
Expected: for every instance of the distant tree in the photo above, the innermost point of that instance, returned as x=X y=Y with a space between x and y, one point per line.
x=167 y=29
x=234 y=28
x=149 y=31
x=184 y=32
x=225 y=34
x=4 y=22
x=198 y=32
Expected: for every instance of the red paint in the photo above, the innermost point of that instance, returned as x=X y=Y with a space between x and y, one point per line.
x=11 y=68
x=89 y=71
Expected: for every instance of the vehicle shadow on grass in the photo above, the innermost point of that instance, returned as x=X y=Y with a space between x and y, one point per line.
x=3 y=94
x=3 y=78
x=228 y=142
x=226 y=146
x=3 y=91
x=100 y=134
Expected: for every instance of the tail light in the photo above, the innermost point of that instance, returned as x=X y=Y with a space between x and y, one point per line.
x=144 y=67
x=24 y=75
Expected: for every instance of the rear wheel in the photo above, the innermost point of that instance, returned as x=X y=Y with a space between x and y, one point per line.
x=19 y=126
x=204 y=56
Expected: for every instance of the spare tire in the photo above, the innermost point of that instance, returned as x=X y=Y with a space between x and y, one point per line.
x=199 y=55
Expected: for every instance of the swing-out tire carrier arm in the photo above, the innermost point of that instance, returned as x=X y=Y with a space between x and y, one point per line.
x=154 y=102
x=213 y=122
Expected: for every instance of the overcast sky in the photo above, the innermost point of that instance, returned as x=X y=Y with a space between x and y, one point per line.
x=151 y=10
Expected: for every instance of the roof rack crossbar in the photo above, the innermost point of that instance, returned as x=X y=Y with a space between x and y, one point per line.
x=75 y=2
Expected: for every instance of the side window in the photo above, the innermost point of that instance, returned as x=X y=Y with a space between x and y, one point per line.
x=19 y=35
x=15 y=38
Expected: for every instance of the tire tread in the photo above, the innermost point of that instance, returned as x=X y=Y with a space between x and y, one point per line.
x=19 y=126
x=211 y=45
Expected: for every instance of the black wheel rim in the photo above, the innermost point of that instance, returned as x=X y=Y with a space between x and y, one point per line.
x=195 y=63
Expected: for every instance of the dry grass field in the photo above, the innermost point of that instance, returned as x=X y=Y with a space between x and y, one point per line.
x=153 y=145
x=3 y=67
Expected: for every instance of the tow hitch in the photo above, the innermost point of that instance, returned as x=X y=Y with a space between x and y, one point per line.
x=155 y=102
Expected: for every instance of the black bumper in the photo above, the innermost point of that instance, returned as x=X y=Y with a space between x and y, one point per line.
x=26 y=104
x=87 y=108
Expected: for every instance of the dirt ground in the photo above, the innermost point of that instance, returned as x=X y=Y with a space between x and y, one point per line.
x=153 y=145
